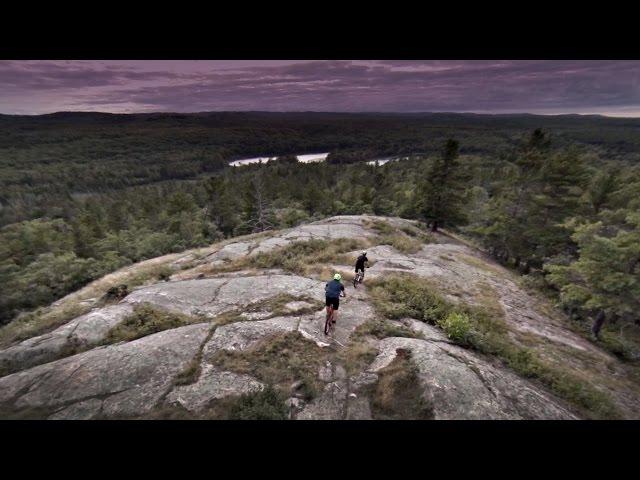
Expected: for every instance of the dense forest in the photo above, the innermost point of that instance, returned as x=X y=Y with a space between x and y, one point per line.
x=557 y=198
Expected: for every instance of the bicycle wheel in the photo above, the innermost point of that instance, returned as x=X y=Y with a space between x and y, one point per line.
x=327 y=322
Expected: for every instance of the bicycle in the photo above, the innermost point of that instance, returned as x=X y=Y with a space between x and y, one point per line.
x=329 y=323
x=358 y=278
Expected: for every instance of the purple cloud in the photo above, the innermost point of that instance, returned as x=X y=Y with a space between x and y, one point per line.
x=608 y=87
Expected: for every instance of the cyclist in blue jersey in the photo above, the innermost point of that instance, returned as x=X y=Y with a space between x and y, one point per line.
x=333 y=291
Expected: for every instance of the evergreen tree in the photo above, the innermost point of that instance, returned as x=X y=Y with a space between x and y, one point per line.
x=540 y=190
x=444 y=189
x=601 y=188
x=258 y=214
x=606 y=275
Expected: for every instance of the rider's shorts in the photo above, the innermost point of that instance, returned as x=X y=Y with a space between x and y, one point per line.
x=332 y=301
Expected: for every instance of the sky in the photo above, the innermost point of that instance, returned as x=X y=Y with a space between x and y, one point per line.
x=604 y=87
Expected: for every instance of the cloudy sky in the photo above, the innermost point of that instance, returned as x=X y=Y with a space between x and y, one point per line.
x=487 y=86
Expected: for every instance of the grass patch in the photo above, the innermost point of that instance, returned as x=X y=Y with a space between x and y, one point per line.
x=397 y=394
x=400 y=295
x=624 y=348
x=483 y=328
x=358 y=355
x=40 y=321
x=146 y=320
x=414 y=232
x=225 y=318
x=381 y=328
x=402 y=243
x=280 y=361
x=296 y=256
x=265 y=404
x=46 y=319
x=277 y=305
x=381 y=227
x=481 y=264
x=191 y=373
x=300 y=258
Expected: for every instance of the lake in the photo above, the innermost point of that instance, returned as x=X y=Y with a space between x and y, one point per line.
x=306 y=158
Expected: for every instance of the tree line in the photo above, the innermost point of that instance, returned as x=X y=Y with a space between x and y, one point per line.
x=564 y=216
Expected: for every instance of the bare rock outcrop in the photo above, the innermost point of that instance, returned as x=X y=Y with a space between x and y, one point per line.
x=460 y=385
x=68 y=374
x=121 y=380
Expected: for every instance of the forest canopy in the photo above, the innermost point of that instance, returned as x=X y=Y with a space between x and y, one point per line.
x=556 y=198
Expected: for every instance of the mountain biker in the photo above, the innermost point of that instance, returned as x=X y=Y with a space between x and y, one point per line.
x=597 y=325
x=333 y=290
x=362 y=259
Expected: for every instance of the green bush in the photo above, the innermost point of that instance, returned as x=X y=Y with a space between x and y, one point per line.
x=618 y=345
x=401 y=296
x=484 y=330
x=266 y=404
x=457 y=326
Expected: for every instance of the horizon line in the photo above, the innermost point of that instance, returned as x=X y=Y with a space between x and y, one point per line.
x=381 y=112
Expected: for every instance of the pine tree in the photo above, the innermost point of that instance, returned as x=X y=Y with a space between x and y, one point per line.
x=539 y=192
x=258 y=214
x=606 y=275
x=600 y=189
x=444 y=189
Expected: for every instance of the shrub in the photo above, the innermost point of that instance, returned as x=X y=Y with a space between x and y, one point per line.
x=401 y=296
x=266 y=404
x=146 y=320
x=358 y=355
x=484 y=329
x=164 y=273
x=380 y=328
x=278 y=360
x=618 y=345
x=117 y=293
x=457 y=327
